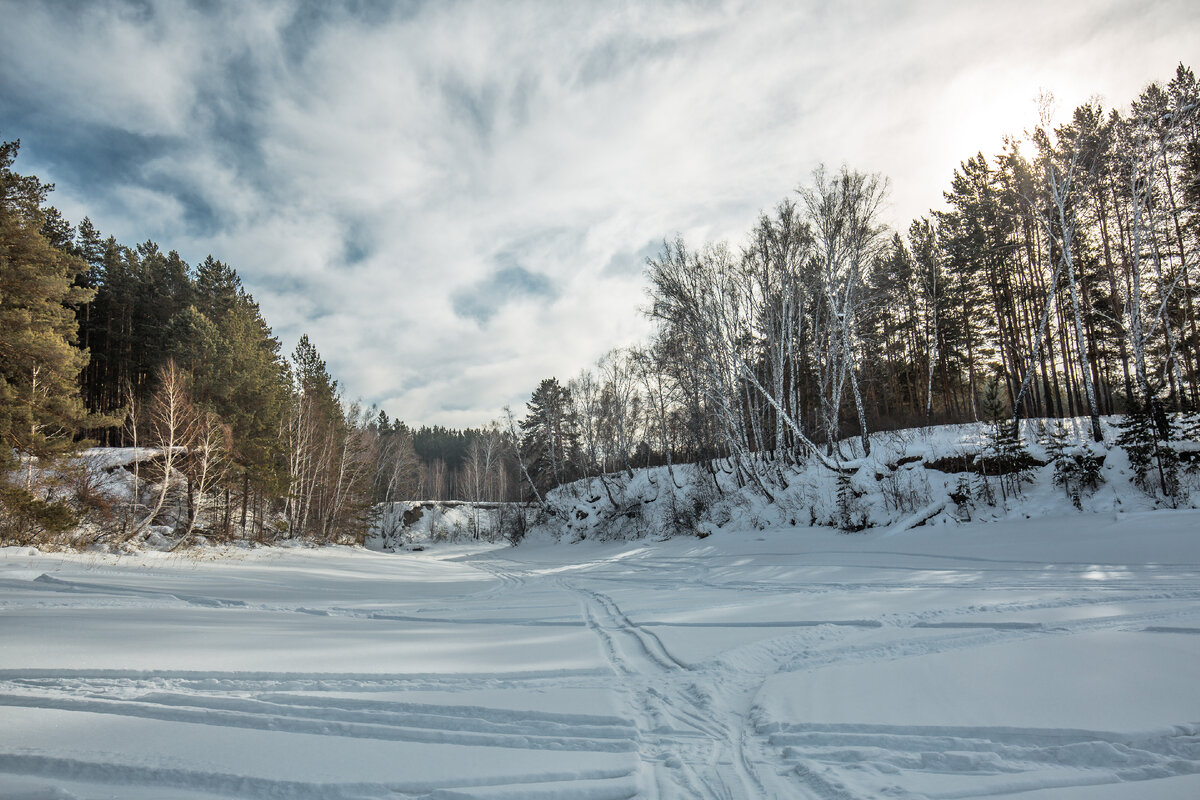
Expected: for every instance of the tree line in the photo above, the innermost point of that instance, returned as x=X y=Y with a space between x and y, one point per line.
x=1058 y=281
x=131 y=347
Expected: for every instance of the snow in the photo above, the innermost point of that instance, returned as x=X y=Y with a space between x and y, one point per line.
x=414 y=525
x=1052 y=657
x=901 y=485
x=107 y=458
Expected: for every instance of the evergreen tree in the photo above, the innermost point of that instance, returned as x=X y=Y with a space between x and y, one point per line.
x=1005 y=455
x=41 y=412
x=550 y=435
x=1076 y=467
x=1155 y=463
x=972 y=241
x=40 y=407
x=239 y=375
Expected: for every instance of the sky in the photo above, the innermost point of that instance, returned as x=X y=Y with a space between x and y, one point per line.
x=455 y=200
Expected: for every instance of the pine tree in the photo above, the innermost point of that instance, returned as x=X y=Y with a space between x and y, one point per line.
x=1148 y=447
x=1005 y=455
x=40 y=407
x=238 y=374
x=1076 y=468
x=550 y=435
x=972 y=238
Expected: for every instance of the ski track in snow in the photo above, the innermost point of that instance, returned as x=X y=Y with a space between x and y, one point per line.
x=705 y=661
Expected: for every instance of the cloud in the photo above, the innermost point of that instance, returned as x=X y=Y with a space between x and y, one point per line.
x=455 y=200
x=633 y=262
x=482 y=300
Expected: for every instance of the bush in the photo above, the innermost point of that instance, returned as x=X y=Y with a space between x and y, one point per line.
x=27 y=519
x=1004 y=456
x=1076 y=469
x=904 y=490
x=1145 y=436
x=689 y=507
x=1189 y=431
x=852 y=517
x=513 y=522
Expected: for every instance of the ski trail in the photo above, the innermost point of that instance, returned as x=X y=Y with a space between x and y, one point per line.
x=598 y=785
x=433 y=726
x=1096 y=757
x=641 y=651
x=691 y=744
x=509 y=580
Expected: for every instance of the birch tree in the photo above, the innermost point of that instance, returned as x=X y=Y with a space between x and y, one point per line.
x=1067 y=173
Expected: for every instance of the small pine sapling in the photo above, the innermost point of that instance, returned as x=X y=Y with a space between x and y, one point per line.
x=1004 y=455
x=961 y=495
x=1076 y=467
x=851 y=516
x=1147 y=443
x=1189 y=432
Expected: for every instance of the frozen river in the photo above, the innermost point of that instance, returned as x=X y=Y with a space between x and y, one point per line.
x=1049 y=658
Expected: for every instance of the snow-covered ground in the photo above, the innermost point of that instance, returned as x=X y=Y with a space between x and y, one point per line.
x=1055 y=657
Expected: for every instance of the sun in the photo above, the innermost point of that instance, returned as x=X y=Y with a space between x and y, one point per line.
x=980 y=108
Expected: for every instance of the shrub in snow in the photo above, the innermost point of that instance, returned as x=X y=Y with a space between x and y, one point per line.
x=1189 y=433
x=1077 y=468
x=512 y=523
x=690 y=506
x=904 y=489
x=1004 y=455
x=852 y=513
x=982 y=490
x=1146 y=440
x=963 y=498
x=25 y=517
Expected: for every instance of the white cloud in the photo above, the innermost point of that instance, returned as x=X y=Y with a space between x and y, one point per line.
x=367 y=172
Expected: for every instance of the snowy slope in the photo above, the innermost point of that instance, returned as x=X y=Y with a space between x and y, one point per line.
x=1047 y=658
x=911 y=477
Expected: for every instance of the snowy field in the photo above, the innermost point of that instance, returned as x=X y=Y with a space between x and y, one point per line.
x=1056 y=657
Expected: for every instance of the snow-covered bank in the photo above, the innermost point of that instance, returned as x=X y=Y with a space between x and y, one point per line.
x=944 y=475
x=1049 y=658
x=416 y=524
